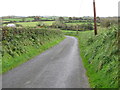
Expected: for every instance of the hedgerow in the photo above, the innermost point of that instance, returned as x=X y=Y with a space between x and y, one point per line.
x=100 y=55
x=18 y=42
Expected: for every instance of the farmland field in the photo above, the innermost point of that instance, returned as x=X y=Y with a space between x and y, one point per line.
x=32 y=24
x=78 y=23
x=29 y=19
x=18 y=19
x=25 y=18
x=48 y=22
x=28 y=23
x=13 y=19
x=35 y=23
x=68 y=31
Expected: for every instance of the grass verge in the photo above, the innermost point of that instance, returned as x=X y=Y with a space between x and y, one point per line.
x=100 y=56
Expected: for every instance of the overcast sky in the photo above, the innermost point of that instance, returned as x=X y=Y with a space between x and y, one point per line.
x=58 y=7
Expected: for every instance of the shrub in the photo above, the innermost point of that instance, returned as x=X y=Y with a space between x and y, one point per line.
x=107 y=22
x=86 y=27
x=100 y=57
x=18 y=25
x=20 y=42
x=59 y=24
x=40 y=24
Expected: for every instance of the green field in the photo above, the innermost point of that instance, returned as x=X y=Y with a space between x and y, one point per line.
x=80 y=23
x=32 y=24
x=13 y=19
x=48 y=22
x=35 y=23
x=67 y=31
x=77 y=23
x=29 y=19
x=4 y=21
x=18 y=19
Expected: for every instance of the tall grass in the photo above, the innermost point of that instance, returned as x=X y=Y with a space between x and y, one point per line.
x=100 y=57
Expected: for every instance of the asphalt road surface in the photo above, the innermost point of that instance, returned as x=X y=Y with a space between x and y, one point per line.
x=58 y=67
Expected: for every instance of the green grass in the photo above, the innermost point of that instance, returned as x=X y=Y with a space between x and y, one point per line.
x=4 y=21
x=45 y=19
x=78 y=23
x=26 y=24
x=48 y=22
x=20 y=19
x=32 y=24
x=29 y=19
x=67 y=31
x=13 y=19
x=100 y=56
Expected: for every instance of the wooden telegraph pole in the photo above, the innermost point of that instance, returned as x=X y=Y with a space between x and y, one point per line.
x=95 y=24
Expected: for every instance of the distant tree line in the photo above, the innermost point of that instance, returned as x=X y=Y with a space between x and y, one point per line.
x=64 y=26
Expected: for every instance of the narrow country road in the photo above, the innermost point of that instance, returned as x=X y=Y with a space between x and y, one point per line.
x=58 y=67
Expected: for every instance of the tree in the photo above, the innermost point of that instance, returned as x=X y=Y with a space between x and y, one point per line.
x=70 y=18
x=61 y=19
x=98 y=19
x=36 y=18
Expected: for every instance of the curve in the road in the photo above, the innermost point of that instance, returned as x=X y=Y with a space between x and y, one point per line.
x=58 y=67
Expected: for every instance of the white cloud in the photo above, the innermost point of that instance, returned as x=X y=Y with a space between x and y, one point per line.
x=58 y=7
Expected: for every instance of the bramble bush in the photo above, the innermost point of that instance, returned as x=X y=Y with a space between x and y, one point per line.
x=18 y=42
x=100 y=55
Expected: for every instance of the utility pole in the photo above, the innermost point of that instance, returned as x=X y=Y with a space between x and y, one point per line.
x=95 y=24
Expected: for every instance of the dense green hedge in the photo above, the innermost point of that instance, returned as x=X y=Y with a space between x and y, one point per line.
x=18 y=42
x=100 y=56
x=77 y=27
